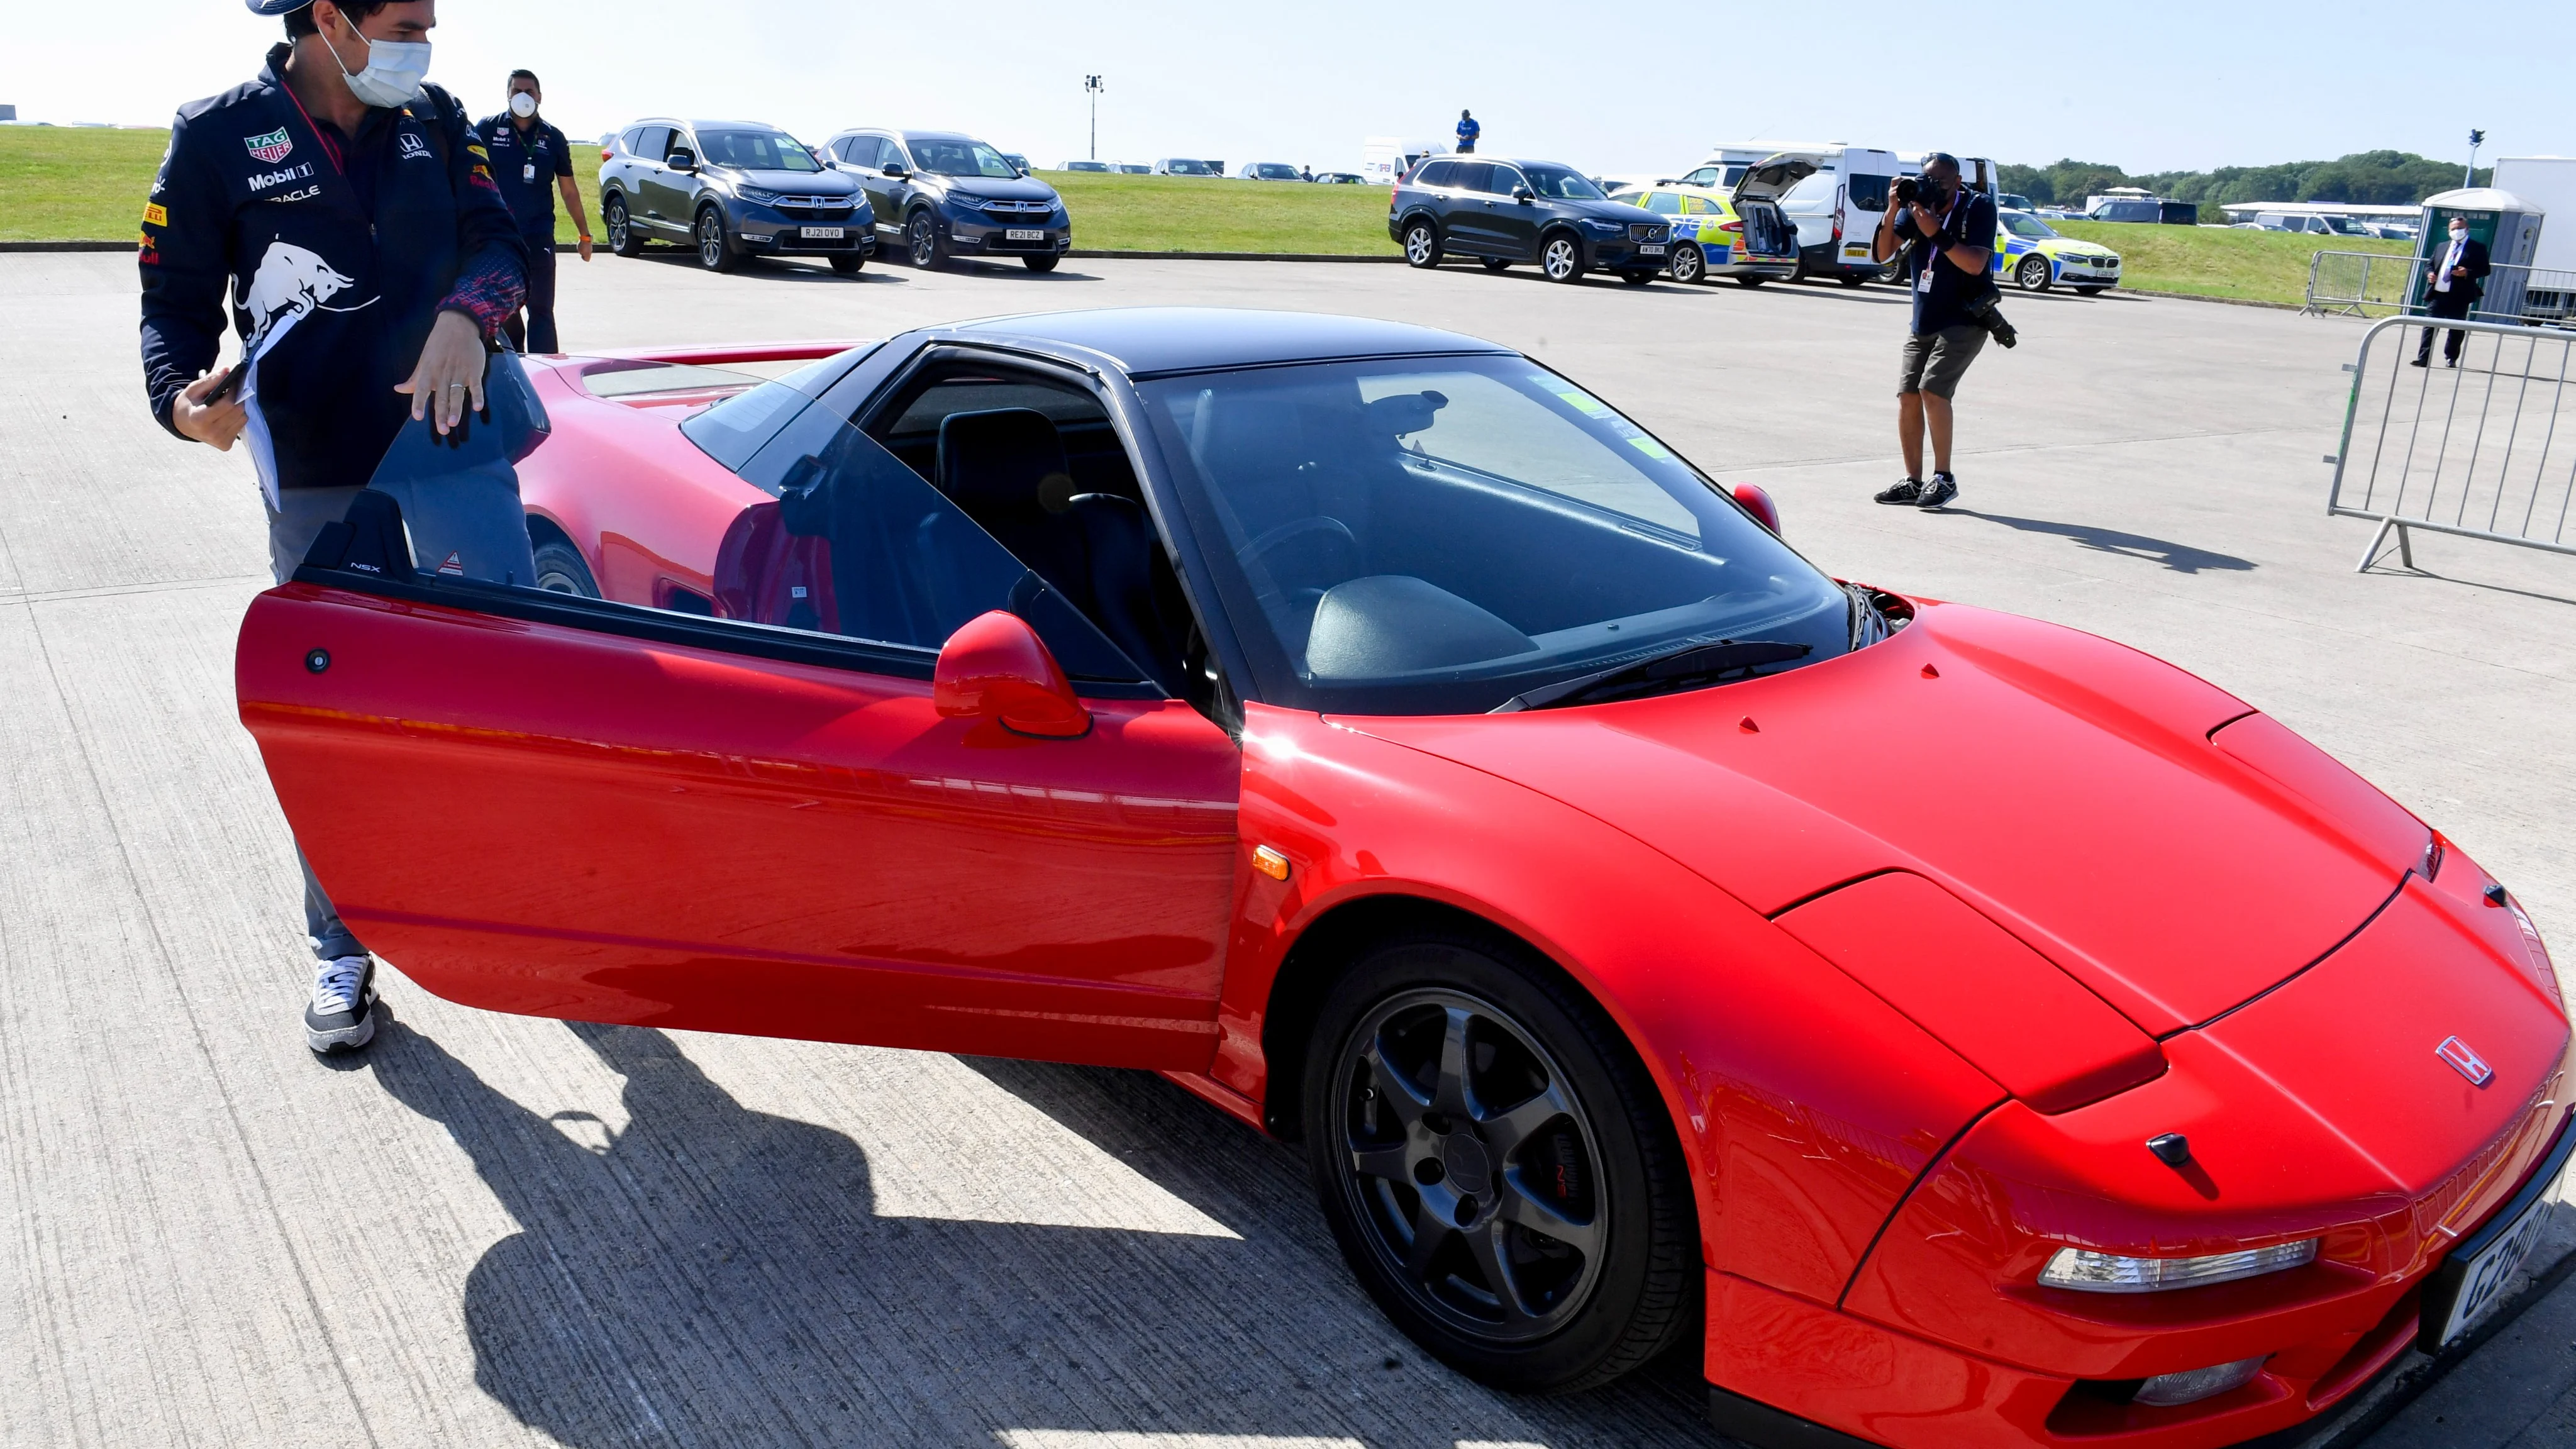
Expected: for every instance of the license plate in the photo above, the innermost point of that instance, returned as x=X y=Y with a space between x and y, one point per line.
x=2483 y=1277
x=1651 y=249
x=822 y=233
x=1024 y=233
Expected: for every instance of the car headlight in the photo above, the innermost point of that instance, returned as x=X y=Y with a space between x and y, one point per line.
x=757 y=196
x=2090 y=1272
x=1605 y=228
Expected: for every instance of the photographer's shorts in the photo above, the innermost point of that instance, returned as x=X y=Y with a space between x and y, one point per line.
x=1935 y=361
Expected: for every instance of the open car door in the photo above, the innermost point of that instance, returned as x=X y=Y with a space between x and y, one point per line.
x=538 y=803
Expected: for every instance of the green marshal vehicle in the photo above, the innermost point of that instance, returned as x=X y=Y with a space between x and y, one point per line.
x=2034 y=256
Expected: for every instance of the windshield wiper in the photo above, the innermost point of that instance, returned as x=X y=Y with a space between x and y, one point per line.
x=1686 y=666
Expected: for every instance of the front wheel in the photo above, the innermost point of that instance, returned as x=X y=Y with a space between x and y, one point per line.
x=1690 y=264
x=1039 y=264
x=1421 y=244
x=2031 y=274
x=1561 y=258
x=715 y=249
x=1497 y=1166
x=561 y=569
x=622 y=239
x=848 y=263
x=922 y=241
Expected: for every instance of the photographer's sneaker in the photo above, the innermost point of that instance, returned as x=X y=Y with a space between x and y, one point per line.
x=1940 y=490
x=1903 y=493
x=343 y=1014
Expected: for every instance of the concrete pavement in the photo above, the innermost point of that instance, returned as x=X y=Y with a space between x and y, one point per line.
x=496 y=1230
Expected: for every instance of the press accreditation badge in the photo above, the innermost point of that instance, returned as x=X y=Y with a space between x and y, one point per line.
x=528 y=172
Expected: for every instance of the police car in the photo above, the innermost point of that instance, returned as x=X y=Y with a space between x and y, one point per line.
x=2034 y=256
x=1708 y=236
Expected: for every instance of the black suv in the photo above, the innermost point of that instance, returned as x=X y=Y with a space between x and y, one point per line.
x=730 y=189
x=941 y=194
x=1502 y=212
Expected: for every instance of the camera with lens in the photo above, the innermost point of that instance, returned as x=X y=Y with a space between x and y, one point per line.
x=1984 y=312
x=1907 y=190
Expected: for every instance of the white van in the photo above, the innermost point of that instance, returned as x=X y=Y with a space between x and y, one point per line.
x=1727 y=161
x=1385 y=160
x=1835 y=206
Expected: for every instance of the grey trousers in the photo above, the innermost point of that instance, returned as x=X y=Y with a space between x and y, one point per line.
x=479 y=521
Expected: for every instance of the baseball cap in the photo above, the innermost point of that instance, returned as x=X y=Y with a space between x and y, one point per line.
x=275 y=7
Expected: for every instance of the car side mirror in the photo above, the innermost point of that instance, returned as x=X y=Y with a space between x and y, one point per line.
x=1523 y=193
x=1757 y=501
x=996 y=668
x=895 y=173
x=682 y=159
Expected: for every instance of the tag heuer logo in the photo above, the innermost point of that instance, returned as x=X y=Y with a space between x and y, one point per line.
x=271 y=148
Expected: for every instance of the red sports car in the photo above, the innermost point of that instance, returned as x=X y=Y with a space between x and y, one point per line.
x=1974 y=1031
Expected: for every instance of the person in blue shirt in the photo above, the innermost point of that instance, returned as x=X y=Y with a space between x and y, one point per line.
x=343 y=214
x=1468 y=131
x=532 y=161
x=1948 y=233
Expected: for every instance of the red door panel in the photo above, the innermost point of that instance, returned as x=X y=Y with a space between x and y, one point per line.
x=541 y=819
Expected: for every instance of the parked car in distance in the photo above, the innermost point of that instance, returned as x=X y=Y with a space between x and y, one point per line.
x=1340 y=178
x=941 y=194
x=1506 y=211
x=1271 y=171
x=1186 y=166
x=1018 y=161
x=1708 y=237
x=2013 y=201
x=1131 y=168
x=1093 y=166
x=2030 y=254
x=2150 y=210
x=730 y=189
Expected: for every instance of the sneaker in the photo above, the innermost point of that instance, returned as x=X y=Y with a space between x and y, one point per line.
x=1940 y=490
x=343 y=1014
x=1905 y=492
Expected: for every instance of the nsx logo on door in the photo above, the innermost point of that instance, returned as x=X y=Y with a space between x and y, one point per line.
x=2464 y=1061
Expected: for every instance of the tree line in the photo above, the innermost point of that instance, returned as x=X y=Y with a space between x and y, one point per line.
x=2365 y=178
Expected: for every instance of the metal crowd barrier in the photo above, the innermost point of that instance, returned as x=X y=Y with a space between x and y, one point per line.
x=2484 y=450
x=2377 y=284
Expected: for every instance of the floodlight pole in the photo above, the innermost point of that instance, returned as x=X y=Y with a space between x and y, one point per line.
x=2469 y=174
x=1091 y=86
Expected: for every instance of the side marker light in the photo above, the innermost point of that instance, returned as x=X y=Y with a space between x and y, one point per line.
x=1748 y=726
x=2171 y=1148
x=1270 y=862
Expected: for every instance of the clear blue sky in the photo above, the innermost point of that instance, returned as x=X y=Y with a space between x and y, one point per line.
x=2172 y=86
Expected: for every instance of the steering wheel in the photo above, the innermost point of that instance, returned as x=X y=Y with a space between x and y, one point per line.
x=1298 y=528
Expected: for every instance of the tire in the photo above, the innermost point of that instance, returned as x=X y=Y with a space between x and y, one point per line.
x=2090 y=291
x=716 y=251
x=1689 y=264
x=1748 y=280
x=1039 y=264
x=1421 y=243
x=1560 y=256
x=923 y=244
x=1495 y=264
x=848 y=263
x=622 y=239
x=2033 y=274
x=560 y=567
x=1584 y=1145
x=1637 y=278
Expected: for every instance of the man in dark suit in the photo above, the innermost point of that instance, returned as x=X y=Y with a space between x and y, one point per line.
x=2459 y=279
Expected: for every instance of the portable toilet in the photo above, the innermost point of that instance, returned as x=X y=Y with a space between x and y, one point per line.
x=2510 y=227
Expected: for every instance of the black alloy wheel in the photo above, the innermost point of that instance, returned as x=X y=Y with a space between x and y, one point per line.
x=1421 y=243
x=560 y=569
x=715 y=249
x=1039 y=264
x=2032 y=273
x=1495 y=264
x=1560 y=256
x=1690 y=264
x=1498 y=1169
x=922 y=241
x=848 y=263
x=622 y=239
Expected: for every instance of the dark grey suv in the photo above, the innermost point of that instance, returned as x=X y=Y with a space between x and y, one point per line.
x=939 y=194
x=730 y=189
x=1501 y=212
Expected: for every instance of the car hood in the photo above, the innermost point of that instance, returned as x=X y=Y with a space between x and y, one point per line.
x=2070 y=247
x=793 y=183
x=991 y=188
x=1618 y=211
x=2145 y=831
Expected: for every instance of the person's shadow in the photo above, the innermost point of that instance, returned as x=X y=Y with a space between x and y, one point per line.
x=713 y=1274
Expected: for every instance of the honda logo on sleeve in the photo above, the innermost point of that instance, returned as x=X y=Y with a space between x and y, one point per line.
x=2464 y=1061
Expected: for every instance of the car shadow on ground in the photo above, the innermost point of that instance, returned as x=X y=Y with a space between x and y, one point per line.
x=714 y=1274
x=2182 y=558
x=789 y=269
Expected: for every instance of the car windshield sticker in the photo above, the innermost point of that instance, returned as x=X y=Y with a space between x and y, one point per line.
x=1650 y=448
x=1582 y=401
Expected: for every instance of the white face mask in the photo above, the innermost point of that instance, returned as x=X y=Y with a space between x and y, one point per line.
x=523 y=105
x=2459 y=232
x=395 y=69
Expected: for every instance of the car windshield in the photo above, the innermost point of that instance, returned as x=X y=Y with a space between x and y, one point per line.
x=1560 y=184
x=2022 y=225
x=1186 y=168
x=1415 y=536
x=755 y=151
x=960 y=158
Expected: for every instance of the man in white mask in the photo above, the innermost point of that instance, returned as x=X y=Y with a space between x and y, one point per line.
x=270 y=200
x=533 y=162
x=2459 y=279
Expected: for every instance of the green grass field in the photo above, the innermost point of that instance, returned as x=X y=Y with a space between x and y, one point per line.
x=67 y=184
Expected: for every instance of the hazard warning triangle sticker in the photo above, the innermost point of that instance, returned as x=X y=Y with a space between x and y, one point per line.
x=454 y=565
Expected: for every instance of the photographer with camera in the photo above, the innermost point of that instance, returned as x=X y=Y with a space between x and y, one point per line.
x=1948 y=231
